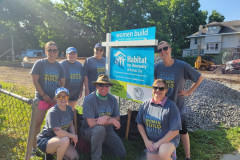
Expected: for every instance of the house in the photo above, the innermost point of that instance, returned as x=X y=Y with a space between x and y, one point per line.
x=215 y=38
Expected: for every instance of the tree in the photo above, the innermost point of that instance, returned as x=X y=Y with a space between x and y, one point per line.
x=82 y=23
x=215 y=17
x=184 y=19
x=35 y=22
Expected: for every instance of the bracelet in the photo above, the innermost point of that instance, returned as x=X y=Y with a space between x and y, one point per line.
x=43 y=95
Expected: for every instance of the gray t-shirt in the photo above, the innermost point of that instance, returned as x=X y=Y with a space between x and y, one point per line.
x=56 y=118
x=94 y=107
x=92 y=69
x=159 y=120
x=49 y=76
x=176 y=76
x=74 y=77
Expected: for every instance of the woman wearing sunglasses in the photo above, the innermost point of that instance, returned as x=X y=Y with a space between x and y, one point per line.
x=58 y=132
x=176 y=72
x=159 y=122
x=93 y=67
x=47 y=76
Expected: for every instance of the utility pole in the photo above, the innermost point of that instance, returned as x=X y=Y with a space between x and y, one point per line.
x=13 y=54
x=199 y=41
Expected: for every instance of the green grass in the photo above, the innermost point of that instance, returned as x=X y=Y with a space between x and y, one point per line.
x=210 y=145
x=205 y=145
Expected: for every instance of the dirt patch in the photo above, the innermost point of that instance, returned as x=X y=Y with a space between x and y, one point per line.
x=16 y=75
x=230 y=80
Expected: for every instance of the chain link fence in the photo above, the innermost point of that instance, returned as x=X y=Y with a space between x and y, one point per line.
x=16 y=124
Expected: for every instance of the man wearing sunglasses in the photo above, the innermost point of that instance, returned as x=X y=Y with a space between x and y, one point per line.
x=101 y=114
x=176 y=72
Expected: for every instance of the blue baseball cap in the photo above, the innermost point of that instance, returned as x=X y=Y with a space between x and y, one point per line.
x=98 y=45
x=61 y=89
x=70 y=49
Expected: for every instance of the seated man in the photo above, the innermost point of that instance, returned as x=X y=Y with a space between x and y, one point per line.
x=101 y=113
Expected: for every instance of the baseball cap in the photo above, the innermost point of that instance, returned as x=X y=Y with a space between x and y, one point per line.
x=61 y=89
x=70 y=49
x=98 y=45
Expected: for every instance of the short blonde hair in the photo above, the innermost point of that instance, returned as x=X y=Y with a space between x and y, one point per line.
x=161 y=81
x=50 y=43
x=164 y=42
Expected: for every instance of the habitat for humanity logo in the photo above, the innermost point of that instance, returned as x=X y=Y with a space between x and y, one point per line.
x=120 y=58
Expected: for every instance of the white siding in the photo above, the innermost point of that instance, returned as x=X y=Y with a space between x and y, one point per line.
x=213 y=39
x=230 y=41
x=192 y=44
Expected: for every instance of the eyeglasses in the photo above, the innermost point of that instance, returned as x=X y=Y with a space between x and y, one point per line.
x=158 y=88
x=100 y=50
x=161 y=49
x=103 y=85
x=63 y=97
x=52 y=50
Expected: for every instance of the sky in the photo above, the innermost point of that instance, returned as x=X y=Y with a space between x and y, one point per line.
x=230 y=9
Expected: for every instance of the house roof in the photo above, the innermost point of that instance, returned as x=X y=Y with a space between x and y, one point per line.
x=226 y=27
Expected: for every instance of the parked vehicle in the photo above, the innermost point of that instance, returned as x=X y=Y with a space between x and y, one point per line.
x=232 y=63
x=33 y=53
x=203 y=64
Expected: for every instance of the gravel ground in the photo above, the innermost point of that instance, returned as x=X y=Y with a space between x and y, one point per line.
x=212 y=104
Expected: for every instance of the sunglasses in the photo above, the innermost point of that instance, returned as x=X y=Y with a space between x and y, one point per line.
x=158 y=88
x=52 y=51
x=63 y=97
x=103 y=85
x=100 y=50
x=161 y=49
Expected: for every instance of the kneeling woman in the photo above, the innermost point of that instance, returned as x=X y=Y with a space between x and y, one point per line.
x=159 y=123
x=58 y=130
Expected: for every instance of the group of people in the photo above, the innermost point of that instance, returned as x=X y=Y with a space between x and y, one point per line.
x=60 y=85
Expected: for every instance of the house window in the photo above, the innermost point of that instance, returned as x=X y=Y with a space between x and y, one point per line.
x=209 y=29
x=212 y=46
x=214 y=28
x=195 y=41
x=231 y=38
x=195 y=52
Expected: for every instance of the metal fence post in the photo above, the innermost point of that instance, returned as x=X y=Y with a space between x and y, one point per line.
x=31 y=132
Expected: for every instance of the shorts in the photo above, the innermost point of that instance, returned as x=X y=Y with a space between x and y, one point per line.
x=43 y=105
x=156 y=152
x=184 y=125
x=42 y=143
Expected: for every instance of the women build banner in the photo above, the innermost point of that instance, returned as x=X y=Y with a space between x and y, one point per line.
x=131 y=68
x=134 y=34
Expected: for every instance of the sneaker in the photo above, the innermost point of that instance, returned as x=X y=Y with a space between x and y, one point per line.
x=188 y=159
x=174 y=155
x=33 y=152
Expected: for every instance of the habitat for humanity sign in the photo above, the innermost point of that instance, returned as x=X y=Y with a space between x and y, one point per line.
x=131 y=71
x=134 y=34
x=134 y=65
